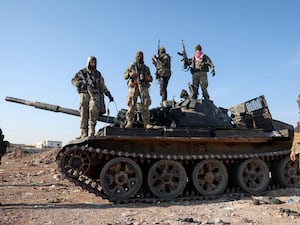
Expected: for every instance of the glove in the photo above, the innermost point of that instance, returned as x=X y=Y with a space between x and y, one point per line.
x=213 y=72
x=132 y=75
x=149 y=78
x=111 y=99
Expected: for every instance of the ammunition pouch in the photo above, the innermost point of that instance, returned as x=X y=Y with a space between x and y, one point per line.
x=81 y=87
x=193 y=70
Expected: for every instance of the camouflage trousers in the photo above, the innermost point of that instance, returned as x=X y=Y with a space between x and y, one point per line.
x=200 y=78
x=133 y=94
x=163 y=84
x=90 y=107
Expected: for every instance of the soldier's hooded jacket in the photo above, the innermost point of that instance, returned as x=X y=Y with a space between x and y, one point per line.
x=89 y=78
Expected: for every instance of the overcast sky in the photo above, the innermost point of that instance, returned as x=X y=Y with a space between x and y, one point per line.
x=254 y=45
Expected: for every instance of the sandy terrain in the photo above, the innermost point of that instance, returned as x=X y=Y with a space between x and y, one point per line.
x=32 y=192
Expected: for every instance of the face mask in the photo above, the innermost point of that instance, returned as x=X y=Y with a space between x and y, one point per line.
x=92 y=66
x=139 y=58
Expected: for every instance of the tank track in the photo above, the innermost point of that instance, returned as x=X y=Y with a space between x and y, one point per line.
x=145 y=196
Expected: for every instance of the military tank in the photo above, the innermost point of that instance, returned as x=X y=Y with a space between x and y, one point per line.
x=3 y=145
x=195 y=151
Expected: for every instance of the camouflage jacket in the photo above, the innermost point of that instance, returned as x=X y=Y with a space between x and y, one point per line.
x=163 y=65
x=295 y=147
x=86 y=80
x=138 y=74
x=203 y=65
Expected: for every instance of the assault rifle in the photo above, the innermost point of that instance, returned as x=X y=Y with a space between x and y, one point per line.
x=87 y=83
x=154 y=60
x=185 y=58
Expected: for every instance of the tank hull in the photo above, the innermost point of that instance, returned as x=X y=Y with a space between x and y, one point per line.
x=195 y=150
x=149 y=165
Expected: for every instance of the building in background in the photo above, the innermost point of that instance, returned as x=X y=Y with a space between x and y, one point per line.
x=48 y=144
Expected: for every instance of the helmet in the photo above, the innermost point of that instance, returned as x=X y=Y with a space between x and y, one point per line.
x=162 y=50
x=198 y=47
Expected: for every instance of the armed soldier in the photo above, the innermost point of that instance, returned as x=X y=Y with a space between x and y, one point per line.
x=162 y=62
x=199 y=65
x=294 y=151
x=91 y=88
x=139 y=78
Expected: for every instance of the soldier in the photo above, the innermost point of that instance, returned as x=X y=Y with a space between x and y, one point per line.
x=3 y=145
x=200 y=64
x=91 y=87
x=139 y=78
x=295 y=150
x=162 y=62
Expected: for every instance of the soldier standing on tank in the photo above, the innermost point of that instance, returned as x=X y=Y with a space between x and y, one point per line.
x=139 y=78
x=200 y=64
x=91 y=87
x=162 y=62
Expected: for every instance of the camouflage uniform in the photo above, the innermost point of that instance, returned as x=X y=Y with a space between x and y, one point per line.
x=91 y=87
x=162 y=62
x=139 y=78
x=295 y=150
x=199 y=69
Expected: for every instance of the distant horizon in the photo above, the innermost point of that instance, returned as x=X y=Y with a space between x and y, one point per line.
x=254 y=46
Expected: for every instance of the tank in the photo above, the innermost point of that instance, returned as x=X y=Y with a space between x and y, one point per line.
x=196 y=150
x=3 y=145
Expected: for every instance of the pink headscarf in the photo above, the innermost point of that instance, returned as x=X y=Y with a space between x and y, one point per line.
x=198 y=54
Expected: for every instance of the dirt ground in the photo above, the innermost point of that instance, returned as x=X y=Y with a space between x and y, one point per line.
x=33 y=192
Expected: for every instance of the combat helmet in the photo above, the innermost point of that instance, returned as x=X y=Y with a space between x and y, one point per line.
x=161 y=50
x=198 y=47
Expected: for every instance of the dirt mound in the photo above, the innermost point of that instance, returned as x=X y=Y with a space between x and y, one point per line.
x=33 y=192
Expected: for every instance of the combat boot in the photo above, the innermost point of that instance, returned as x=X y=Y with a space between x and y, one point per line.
x=129 y=124
x=164 y=103
x=148 y=126
x=91 y=131
x=83 y=134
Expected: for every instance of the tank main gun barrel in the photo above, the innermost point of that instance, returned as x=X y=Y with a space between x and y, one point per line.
x=57 y=108
x=44 y=106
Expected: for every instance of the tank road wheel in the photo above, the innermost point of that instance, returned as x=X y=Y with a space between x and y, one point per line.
x=75 y=162
x=166 y=179
x=253 y=175
x=288 y=173
x=121 y=178
x=210 y=177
